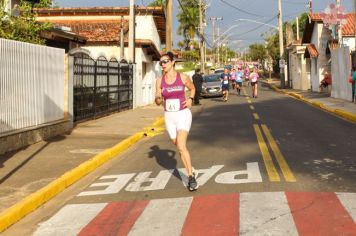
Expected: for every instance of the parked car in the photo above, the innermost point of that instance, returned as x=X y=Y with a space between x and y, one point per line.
x=219 y=71
x=211 y=86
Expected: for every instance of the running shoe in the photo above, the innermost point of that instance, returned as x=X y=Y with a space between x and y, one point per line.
x=192 y=183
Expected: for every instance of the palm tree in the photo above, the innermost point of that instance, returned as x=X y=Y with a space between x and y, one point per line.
x=188 y=18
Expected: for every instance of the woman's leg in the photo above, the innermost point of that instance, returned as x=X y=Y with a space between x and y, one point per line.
x=181 y=144
x=256 y=90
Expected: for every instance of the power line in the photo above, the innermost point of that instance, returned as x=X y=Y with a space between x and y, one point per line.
x=257 y=26
x=239 y=9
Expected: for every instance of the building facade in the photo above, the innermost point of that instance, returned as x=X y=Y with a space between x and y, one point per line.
x=103 y=28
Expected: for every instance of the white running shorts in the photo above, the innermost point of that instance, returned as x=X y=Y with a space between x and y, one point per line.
x=177 y=120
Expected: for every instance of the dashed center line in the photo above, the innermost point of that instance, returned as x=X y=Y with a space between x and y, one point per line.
x=255 y=115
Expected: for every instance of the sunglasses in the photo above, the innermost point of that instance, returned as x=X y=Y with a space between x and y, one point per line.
x=165 y=61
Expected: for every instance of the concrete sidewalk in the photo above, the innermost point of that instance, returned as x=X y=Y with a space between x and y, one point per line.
x=28 y=170
x=343 y=108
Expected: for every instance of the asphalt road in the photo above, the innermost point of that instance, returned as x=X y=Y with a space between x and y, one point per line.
x=264 y=165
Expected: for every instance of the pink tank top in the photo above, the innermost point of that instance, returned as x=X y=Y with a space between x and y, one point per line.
x=173 y=94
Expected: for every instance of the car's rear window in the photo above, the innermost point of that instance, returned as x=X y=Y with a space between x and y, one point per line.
x=212 y=78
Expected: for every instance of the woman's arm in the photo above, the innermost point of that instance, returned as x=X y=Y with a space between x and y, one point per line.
x=158 y=96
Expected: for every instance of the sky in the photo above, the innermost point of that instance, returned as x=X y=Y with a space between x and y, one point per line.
x=237 y=16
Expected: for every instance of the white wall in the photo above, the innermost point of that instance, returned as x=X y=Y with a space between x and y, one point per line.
x=341 y=63
x=144 y=83
x=146 y=29
x=32 y=79
x=349 y=42
x=106 y=51
x=320 y=38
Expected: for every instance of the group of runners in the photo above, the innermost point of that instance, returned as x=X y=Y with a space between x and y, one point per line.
x=235 y=78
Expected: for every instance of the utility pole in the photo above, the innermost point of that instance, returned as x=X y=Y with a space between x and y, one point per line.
x=297 y=21
x=281 y=45
x=169 y=10
x=132 y=30
x=339 y=30
x=213 y=19
x=122 y=46
x=201 y=32
x=310 y=7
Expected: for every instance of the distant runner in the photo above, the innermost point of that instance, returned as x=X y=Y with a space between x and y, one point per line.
x=225 y=78
x=254 y=79
x=239 y=80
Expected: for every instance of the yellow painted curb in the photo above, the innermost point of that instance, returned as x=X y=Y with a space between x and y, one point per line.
x=317 y=104
x=16 y=212
x=346 y=115
x=159 y=122
x=296 y=95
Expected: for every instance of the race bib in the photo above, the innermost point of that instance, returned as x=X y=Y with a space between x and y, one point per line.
x=254 y=79
x=226 y=82
x=172 y=105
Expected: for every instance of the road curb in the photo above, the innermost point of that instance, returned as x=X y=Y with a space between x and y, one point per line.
x=16 y=212
x=344 y=114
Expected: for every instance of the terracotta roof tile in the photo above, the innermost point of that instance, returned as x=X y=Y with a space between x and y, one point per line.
x=316 y=17
x=313 y=52
x=96 y=31
x=347 y=30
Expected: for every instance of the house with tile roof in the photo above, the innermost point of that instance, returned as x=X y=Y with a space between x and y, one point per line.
x=101 y=27
x=324 y=53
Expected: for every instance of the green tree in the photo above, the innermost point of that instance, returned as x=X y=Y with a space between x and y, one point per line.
x=22 y=27
x=157 y=3
x=180 y=44
x=188 y=18
x=258 y=52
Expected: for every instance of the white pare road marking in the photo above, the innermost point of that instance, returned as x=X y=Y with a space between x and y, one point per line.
x=112 y=187
x=348 y=201
x=156 y=183
x=144 y=182
x=162 y=217
x=69 y=220
x=266 y=214
x=252 y=172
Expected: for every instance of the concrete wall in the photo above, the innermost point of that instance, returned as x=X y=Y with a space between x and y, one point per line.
x=341 y=67
x=320 y=38
x=25 y=137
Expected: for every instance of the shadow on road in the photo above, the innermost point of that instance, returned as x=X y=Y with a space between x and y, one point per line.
x=165 y=158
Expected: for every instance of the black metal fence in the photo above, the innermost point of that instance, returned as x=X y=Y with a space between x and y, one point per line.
x=101 y=87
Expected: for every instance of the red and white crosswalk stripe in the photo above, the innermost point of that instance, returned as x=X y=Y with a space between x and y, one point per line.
x=259 y=213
